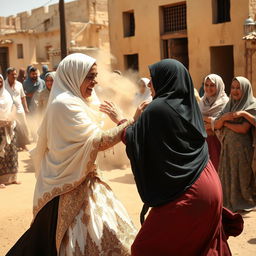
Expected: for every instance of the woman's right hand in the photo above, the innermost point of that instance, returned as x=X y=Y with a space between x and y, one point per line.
x=112 y=111
x=140 y=109
x=228 y=117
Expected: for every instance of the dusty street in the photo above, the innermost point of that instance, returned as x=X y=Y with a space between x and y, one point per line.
x=16 y=205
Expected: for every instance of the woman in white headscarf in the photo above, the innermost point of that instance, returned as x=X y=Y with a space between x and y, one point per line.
x=144 y=93
x=236 y=156
x=75 y=212
x=211 y=104
x=8 y=149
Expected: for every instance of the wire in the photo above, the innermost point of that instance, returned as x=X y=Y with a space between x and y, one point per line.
x=47 y=3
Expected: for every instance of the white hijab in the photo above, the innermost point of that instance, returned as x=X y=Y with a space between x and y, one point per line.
x=212 y=106
x=139 y=98
x=69 y=134
x=6 y=102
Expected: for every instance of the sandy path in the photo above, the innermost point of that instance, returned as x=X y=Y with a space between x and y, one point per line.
x=16 y=205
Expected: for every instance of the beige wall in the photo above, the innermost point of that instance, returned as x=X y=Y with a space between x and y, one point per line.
x=29 y=50
x=202 y=34
x=86 y=26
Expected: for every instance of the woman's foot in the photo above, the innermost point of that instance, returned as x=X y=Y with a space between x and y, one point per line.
x=2 y=186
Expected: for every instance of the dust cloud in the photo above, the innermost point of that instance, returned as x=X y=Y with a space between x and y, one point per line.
x=120 y=90
x=112 y=87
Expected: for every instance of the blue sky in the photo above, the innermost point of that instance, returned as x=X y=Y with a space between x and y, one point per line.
x=12 y=7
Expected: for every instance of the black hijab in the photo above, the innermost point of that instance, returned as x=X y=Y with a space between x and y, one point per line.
x=167 y=146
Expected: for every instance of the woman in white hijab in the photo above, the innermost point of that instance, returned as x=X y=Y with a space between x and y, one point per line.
x=211 y=104
x=8 y=149
x=144 y=93
x=75 y=212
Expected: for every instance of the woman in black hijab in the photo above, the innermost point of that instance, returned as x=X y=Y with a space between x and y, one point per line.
x=169 y=158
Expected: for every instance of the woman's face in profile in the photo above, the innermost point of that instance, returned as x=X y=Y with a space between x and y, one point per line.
x=89 y=82
x=151 y=87
x=210 y=88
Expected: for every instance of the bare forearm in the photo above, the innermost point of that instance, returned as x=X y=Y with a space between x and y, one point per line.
x=238 y=128
x=218 y=124
x=24 y=103
x=250 y=118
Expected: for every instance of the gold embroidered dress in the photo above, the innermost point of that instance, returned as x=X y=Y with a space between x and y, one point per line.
x=90 y=221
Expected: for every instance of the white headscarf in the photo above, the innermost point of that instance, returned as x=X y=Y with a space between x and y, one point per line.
x=6 y=102
x=69 y=134
x=139 y=98
x=212 y=106
x=247 y=101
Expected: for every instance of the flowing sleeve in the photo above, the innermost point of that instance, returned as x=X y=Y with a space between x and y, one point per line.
x=112 y=136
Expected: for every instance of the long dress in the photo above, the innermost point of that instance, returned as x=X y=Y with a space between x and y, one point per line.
x=8 y=156
x=86 y=220
x=190 y=225
x=214 y=148
x=235 y=170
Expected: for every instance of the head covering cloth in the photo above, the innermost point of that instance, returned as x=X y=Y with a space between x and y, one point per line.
x=212 y=106
x=167 y=146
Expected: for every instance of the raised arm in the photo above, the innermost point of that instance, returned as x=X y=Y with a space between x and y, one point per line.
x=112 y=136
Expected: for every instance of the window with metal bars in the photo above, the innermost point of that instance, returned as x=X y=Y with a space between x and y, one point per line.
x=175 y=18
x=129 y=24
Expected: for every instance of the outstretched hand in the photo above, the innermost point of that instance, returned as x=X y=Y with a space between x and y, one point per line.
x=112 y=111
x=140 y=109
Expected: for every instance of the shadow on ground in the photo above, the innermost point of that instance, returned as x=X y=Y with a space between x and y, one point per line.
x=127 y=179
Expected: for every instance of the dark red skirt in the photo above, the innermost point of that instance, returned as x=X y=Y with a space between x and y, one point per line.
x=188 y=226
x=214 y=148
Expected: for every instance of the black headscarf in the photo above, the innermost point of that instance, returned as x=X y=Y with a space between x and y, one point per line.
x=167 y=146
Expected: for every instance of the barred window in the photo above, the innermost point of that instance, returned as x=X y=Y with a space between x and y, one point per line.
x=175 y=18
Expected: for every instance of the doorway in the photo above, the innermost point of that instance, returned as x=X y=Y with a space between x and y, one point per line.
x=176 y=48
x=222 y=64
x=4 y=60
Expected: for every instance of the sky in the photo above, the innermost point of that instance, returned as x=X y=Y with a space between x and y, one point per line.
x=11 y=7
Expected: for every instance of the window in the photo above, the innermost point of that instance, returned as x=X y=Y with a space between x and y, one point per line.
x=220 y=11
x=47 y=24
x=129 y=23
x=174 y=18
x=131 y=61
x=20 y=51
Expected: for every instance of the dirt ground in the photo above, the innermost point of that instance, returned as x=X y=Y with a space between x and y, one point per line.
x=16 y=208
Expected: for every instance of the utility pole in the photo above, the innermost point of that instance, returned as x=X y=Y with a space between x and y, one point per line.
x=63 y=39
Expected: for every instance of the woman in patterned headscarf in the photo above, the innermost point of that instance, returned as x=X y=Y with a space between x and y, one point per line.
x=236 y=147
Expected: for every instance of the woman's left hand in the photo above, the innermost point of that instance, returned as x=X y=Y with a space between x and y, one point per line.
x=238 y=114
x=140 y=109
x=112 y=111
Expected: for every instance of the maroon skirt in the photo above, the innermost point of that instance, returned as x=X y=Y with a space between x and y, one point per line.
x=214 y=148
x=189 y=226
